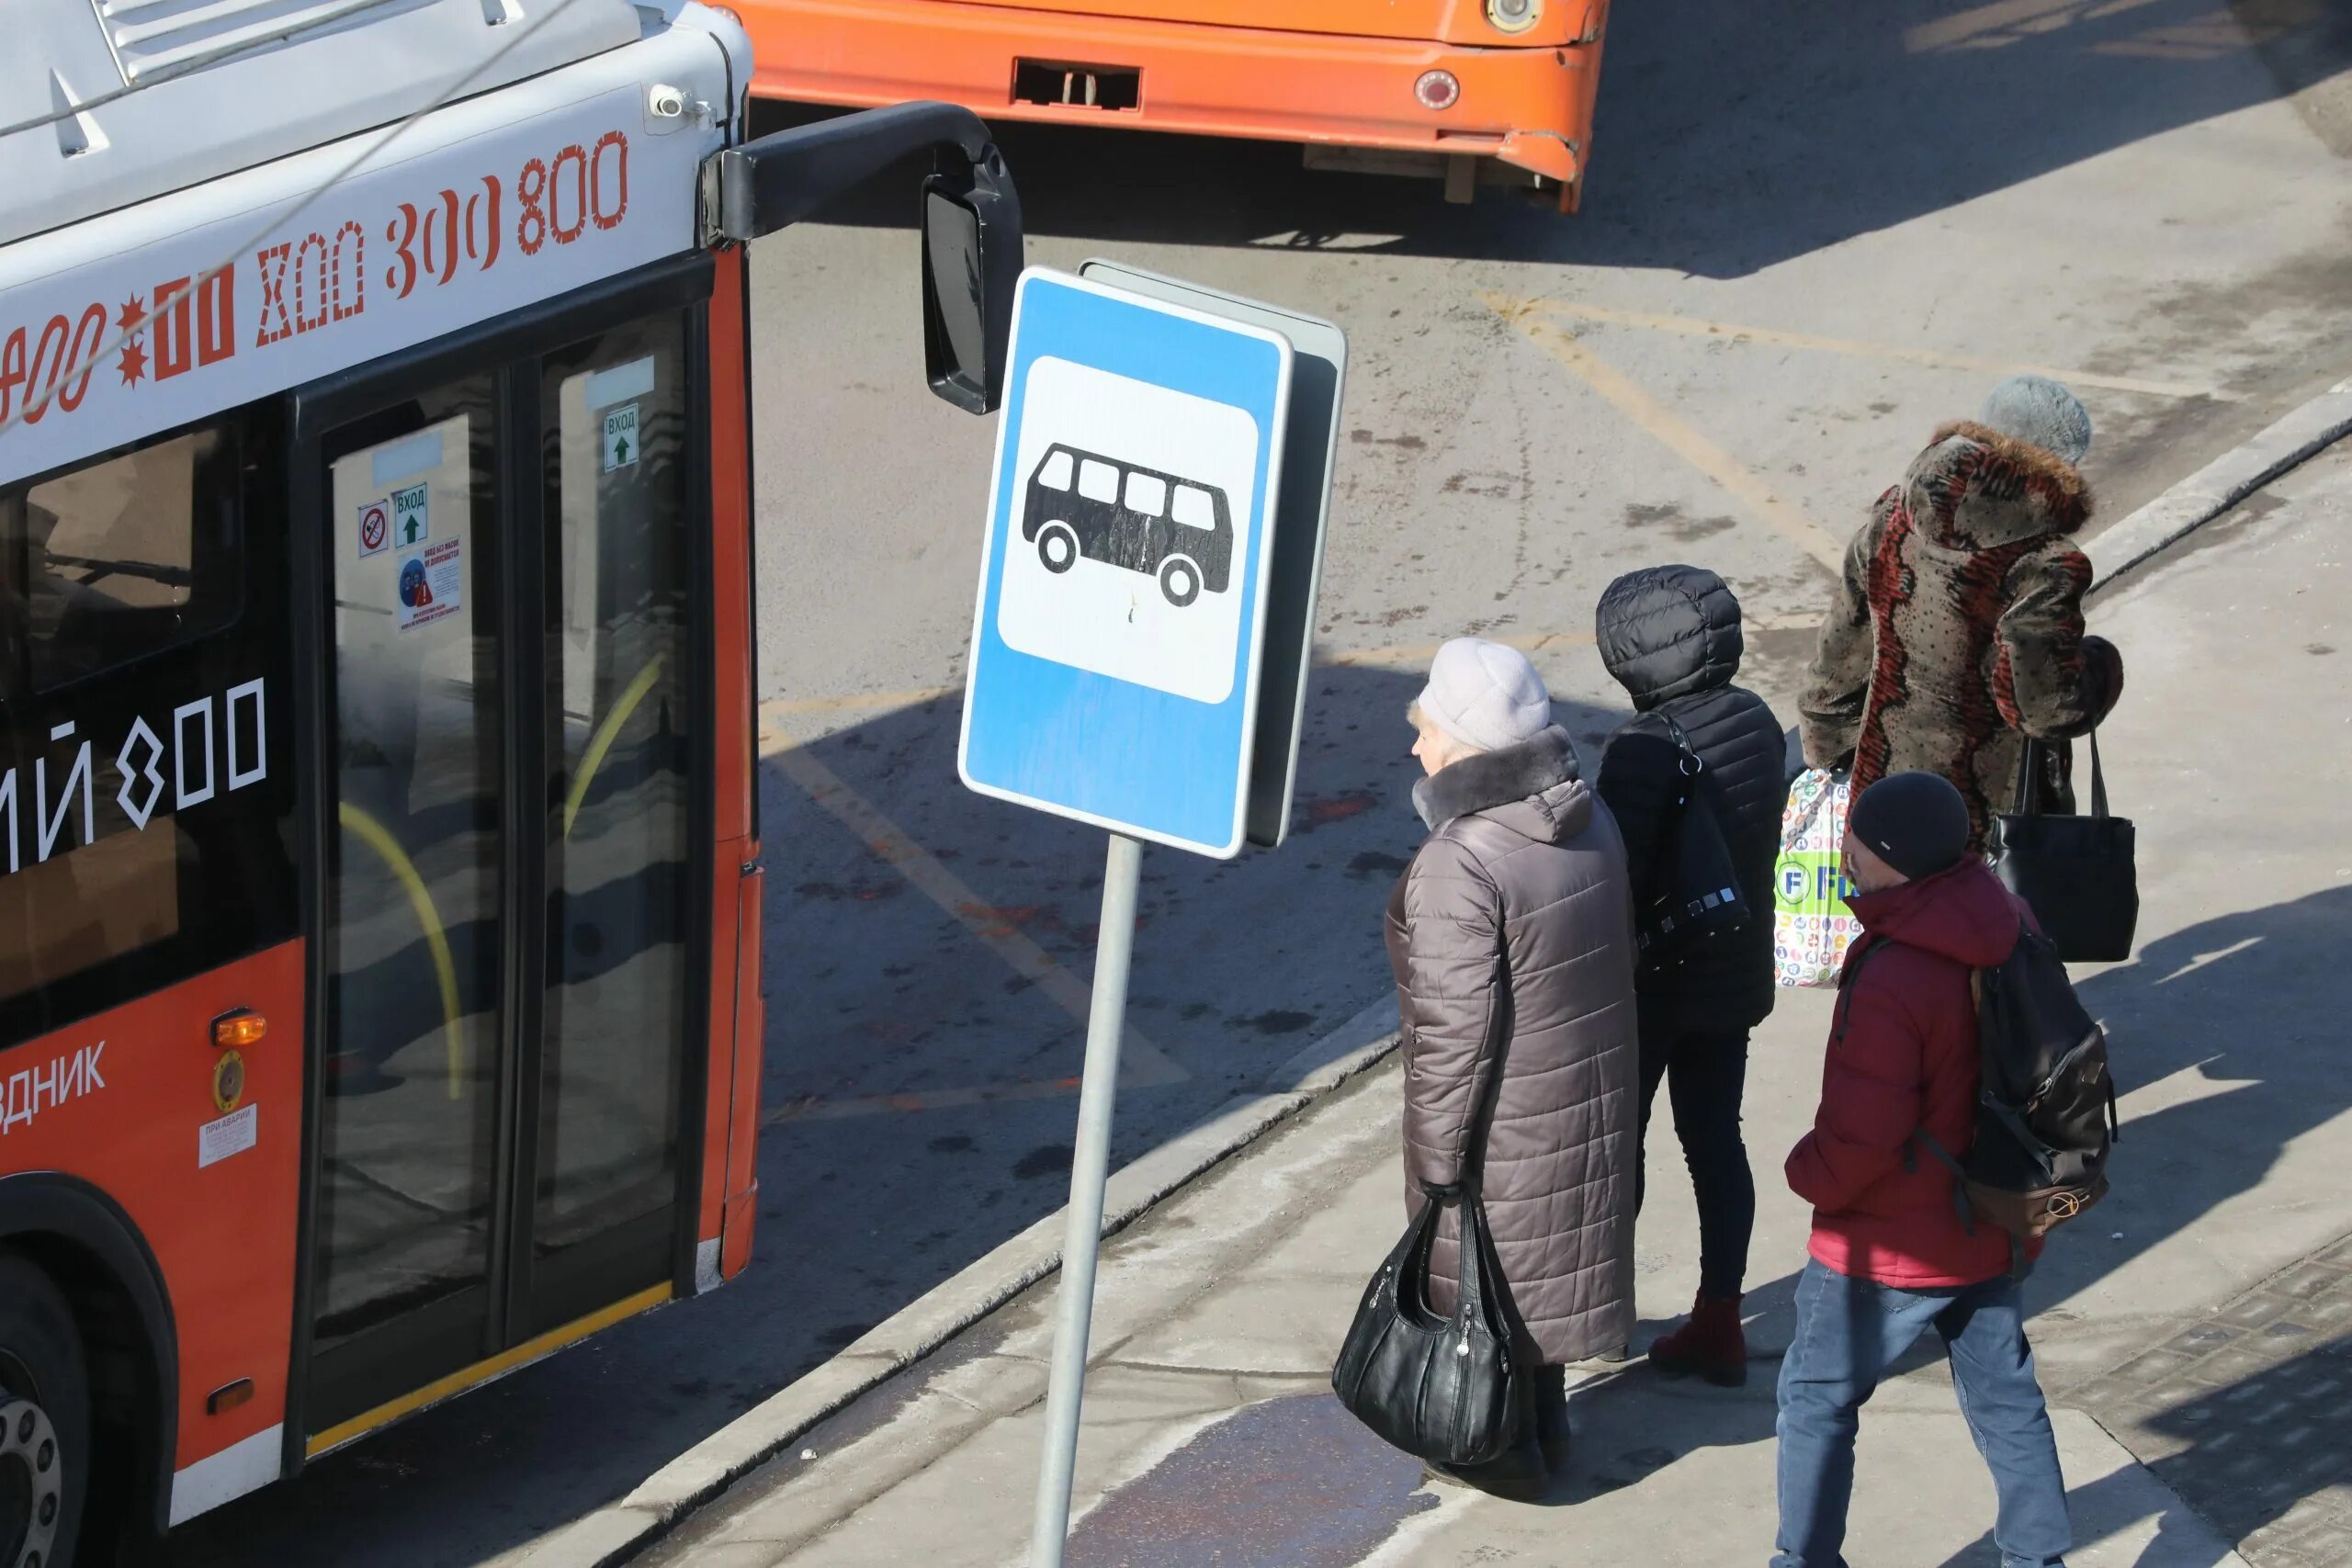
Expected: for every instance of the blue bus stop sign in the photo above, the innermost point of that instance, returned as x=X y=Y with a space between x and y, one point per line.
x=1117 y=642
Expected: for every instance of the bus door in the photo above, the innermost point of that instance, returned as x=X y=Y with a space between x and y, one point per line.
x=509 y=909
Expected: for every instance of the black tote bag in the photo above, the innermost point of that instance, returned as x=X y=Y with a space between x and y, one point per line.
x=1694 y=890
x=2077 y=873
x=1449 y=1390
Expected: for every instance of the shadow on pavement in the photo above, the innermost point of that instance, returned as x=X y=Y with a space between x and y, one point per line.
x=1239 y=966
x=875 y=991
x=2249 y=1002
x=1730 y=136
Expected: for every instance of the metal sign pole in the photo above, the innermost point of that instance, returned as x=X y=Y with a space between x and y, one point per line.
x=1090 y=1164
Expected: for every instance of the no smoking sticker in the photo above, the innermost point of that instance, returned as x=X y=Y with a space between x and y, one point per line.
x=375 y=527
x=431 y=583
x=620 y=437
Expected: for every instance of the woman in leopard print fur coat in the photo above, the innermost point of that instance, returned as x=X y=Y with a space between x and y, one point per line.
x=1957 y=630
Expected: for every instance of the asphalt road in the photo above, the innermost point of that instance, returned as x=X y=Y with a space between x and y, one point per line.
x=1812 y=234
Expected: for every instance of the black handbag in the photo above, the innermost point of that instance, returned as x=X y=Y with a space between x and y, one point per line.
x=1447 y=1390
x=1694 y=889
x=2076 y=873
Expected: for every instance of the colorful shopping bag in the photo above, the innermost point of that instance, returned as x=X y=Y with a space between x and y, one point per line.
x=1812 y=928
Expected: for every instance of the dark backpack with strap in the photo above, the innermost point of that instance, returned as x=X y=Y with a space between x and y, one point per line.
x=2045 y=1110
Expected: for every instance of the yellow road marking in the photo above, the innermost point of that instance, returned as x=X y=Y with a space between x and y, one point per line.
x=774 y=740
x=786 y=708
x=822 y=1108
x=2006 y=22
x=1141 y=1064
x=1741 y=482
x=1694 y=326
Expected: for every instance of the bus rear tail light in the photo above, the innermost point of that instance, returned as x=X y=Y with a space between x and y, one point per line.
x=1437 y=90
x=239 y=1030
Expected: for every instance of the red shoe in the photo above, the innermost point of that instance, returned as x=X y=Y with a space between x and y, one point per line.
x=1710 y=1345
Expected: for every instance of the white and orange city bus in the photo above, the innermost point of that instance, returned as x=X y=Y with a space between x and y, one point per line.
x=1471 y=90
x=380 y=882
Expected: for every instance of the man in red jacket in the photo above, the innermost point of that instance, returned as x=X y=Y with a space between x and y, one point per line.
x=1892 y=1254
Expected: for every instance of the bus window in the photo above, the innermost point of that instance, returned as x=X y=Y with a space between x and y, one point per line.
x=1146 y=493
x=112 y=555
x=1053 y=472
x=1098 y=481
x=115 y=578
x=413 y=904
x=101 y=901
x=1193 y=508
x=618 y=447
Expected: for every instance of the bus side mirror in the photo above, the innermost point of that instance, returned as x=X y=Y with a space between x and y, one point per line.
x=971 y=259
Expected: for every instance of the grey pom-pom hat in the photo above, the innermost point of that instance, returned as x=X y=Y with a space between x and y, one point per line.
x=2037 y=410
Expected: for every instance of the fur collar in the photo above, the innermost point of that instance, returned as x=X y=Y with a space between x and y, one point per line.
x=1492 y=779
x=1975 y=487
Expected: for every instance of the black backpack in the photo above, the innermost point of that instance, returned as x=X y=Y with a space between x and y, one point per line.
x=2045 y=1111
x=1694 y=888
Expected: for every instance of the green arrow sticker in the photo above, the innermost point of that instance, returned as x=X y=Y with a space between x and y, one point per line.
x=620 y=437
x=412 y=522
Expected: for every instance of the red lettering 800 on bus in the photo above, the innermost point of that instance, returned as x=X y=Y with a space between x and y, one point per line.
x=319 y=279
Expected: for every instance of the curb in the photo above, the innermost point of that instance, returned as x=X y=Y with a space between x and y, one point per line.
x=619 y=1530
x=2214 y=489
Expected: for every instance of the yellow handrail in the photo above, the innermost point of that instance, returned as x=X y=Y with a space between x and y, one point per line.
x=602 y=741
x=377 y=836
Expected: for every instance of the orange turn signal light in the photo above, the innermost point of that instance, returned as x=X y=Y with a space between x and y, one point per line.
x=240 y=1030
x=229 y=1397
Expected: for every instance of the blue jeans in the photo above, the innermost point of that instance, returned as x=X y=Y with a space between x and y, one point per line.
x=1849 y=1333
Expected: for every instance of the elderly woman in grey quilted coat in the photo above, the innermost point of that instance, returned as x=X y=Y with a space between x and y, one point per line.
x=1511 y=937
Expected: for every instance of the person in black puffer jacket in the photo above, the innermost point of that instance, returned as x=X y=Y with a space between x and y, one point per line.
x=1671 y=636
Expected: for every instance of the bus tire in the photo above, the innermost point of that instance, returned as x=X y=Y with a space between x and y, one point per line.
x=1180 y=580
x=1057 y=547
x=45 y=1396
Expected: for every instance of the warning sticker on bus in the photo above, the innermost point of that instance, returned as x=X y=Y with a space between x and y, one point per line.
x=231 y=1135
x=431 y=584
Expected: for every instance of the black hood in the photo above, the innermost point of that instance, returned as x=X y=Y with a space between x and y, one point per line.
x=1667 y=632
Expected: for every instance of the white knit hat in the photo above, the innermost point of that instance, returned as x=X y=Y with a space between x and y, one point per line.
x=1485 y=695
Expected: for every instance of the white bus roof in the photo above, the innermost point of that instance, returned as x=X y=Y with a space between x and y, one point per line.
x=232 y=287
x=182 y=94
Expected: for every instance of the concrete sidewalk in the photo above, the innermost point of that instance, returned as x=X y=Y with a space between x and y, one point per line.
x=2195 y=1333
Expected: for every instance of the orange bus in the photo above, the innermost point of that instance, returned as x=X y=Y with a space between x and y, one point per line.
x=379 y=878
x=1500 y=89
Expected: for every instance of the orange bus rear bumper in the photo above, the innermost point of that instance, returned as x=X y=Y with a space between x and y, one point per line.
x=1529 y=106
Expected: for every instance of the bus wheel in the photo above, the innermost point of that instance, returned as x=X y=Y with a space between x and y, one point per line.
x=1057 y=547
x=44 y=1421
x=1180 y=580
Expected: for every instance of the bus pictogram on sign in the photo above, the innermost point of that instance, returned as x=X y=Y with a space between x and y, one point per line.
x=1128 y=515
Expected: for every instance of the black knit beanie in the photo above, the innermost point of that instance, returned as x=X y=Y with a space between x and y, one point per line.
x=1915 y=822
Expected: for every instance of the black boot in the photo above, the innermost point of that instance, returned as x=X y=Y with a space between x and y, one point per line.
x=1551 y=1399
